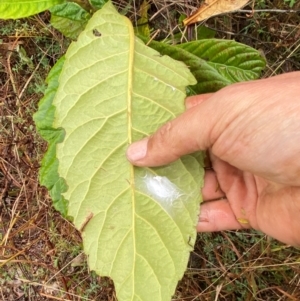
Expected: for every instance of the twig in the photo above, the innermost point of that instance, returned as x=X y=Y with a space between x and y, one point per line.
x=49 y=287
x=159 y=11
x=7 y=174
x=13 y=220
x=296 y=48
x=11 y=76
x=53 y=297
x=153 y=37
x=231 y=33
x=250 y=11
x=31 y=76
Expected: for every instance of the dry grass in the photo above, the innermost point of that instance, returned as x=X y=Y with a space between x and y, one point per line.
x=40 y=252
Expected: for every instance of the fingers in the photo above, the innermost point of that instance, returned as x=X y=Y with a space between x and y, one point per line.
x=218 y=216
x=186 y=134
x=237 y=211
x=211 y=189
x=278 y=213
x=193 y=101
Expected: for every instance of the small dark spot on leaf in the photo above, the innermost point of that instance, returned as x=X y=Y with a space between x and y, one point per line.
x=96 y=33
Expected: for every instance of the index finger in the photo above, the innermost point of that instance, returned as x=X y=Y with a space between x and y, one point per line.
x=186 y=134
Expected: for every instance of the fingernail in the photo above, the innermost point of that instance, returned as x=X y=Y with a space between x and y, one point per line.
x=137 y=150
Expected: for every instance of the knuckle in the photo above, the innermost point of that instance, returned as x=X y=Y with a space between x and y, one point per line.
x=162 y=144
x=164 y=133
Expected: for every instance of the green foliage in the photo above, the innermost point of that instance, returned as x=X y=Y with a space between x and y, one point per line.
x=142 y=28
x=48 y=174
x=233 y=61
x=291 y=3
x=204 y=32
x=98 y=3
x=15 y=9
x=69 y=18
x=200 y=32
x=215 y=63
x=144 y=233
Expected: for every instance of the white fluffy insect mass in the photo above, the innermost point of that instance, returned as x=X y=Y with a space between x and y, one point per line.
x=161 y=188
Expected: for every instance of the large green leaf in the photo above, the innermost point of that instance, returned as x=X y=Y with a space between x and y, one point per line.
x=215 y=63
x=138 y=224
x=69 y=18
x=48 y=174
x=15 y=9
x=236 y=62
x=98 y=3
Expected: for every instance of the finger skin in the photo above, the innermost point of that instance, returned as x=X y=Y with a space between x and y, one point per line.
x=211 y=189
x=218 y=216
x=242 y=124
x=253 y=202
x=195 y=100
x=174 y=139
x=277 y=214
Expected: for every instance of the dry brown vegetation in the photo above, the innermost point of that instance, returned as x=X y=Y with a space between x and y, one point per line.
x=40 y=252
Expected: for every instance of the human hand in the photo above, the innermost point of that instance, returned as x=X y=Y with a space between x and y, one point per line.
x=252 y=133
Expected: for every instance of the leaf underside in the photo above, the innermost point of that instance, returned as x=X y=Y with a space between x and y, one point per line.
x=15 y=9
x=137 y=224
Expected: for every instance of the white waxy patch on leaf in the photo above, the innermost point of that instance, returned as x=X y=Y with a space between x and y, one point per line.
x=161 y=188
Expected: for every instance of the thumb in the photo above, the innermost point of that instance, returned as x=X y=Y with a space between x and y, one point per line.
x=186 y=134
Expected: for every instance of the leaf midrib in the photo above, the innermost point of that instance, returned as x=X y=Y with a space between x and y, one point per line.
x=129 y=129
